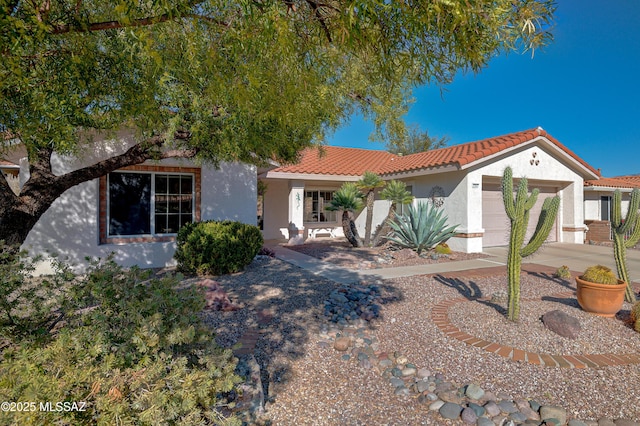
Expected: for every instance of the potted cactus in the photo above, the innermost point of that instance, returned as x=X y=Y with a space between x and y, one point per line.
x=600 y=292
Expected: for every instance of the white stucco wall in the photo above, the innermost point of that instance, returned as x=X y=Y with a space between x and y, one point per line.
x=593 y=207
x=70 y=227
x=540 y=165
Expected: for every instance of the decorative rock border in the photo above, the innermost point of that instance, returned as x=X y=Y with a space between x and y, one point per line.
x=348 y=330
x=440 y=317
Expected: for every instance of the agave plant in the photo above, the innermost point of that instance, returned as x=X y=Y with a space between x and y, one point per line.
x=421 y=228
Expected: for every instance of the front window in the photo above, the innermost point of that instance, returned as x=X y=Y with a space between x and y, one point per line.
x=315 y=203
x=149 y=203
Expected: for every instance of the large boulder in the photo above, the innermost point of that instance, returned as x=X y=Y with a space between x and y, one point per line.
x=561 y=323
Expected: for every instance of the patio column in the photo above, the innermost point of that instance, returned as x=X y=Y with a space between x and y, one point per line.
x=296 y=212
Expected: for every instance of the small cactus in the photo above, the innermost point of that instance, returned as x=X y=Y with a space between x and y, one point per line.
x=635 y=312
x=635 y=316
x=562 y=272
x=600 y=274
x=442 y=248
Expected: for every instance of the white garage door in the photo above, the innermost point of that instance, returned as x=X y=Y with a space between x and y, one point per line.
x=496 y=223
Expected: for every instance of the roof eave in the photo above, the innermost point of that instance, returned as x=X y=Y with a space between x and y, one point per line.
x=422 y=171
x=587 y=173
x=310 y=176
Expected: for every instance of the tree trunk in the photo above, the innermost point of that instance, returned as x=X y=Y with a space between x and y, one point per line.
x=385 y=229
x=19 y=213
x=369 y=220
x=349 y=229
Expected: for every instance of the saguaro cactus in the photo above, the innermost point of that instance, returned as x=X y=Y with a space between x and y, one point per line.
x=518 y=212
x=621 y=228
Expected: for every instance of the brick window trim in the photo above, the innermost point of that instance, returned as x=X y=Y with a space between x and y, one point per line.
x=104 y=239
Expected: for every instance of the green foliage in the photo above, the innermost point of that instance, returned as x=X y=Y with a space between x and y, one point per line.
x=518 y=213
x=442 y=248
x=396 y=192
x=132 y=349
x=214 y=247
x=562 y=272
x=600 y=274
x=415 y=141
x=348 y=199
x=28 y=307
x=228 y=81
x=421 y=228
x=620 y=228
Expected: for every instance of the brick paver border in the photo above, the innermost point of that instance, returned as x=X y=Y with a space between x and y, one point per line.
x=440 y=317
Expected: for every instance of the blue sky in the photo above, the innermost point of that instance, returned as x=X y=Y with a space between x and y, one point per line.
x=584 y=89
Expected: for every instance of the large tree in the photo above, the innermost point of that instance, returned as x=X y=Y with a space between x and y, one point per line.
x=414 y=141
x=248 y=80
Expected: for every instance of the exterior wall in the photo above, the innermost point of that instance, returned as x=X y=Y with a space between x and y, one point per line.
x=539 y=166
x=70 y=227
x=276 y=202
x=592 y=206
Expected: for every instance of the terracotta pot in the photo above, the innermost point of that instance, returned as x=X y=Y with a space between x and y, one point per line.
x=600 y=299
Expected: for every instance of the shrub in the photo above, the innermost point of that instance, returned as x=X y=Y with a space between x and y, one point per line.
x=421 y=228
x=215 y=247
x=28 y=307
x=132 y=351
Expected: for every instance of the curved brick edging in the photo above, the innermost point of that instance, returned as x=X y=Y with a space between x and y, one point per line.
x=440 y=317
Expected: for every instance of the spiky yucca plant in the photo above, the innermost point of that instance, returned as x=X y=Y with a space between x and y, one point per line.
x=620 y=229
x=421 y=228
x=518 y=212
x=348 y=199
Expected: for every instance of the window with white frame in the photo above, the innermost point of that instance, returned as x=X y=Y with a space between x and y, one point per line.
x=315 y=203
x=148 y=203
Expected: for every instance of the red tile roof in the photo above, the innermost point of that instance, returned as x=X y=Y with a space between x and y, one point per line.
x=333 y=160
x=631 y=181
x=354 y=162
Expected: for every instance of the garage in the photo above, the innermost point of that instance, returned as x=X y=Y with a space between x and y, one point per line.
x=495 y=221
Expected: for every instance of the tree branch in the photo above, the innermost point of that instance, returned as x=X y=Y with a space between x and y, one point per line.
x=142 y=22
x=315 y=6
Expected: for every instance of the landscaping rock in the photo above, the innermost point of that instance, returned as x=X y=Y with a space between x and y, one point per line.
x=483 y=421
x=548 y=412
x=576 y=423
x=469 y=416
x=342 y=344
x=562 y=324
x=405 y=254
x=450 y=410
x=626 y=422
x=474 y=391
x=507 y=407
x=492 y=408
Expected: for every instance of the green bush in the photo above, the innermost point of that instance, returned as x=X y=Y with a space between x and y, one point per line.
x=214 y=247
x=131 y=350
x=421 y=228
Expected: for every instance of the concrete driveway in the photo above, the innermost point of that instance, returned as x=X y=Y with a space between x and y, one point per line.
x=576 y=256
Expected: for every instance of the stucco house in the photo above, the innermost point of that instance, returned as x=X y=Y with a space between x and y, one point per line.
x=597 y=203
x=463 y=179
x=135 y=212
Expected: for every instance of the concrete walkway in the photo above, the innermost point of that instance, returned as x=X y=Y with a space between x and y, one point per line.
x=576 y=256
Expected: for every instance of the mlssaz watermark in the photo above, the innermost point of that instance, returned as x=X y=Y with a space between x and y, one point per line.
x=49 y=406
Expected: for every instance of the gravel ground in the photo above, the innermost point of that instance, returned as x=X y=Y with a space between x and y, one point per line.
x=339 y=252
x=310 y=385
